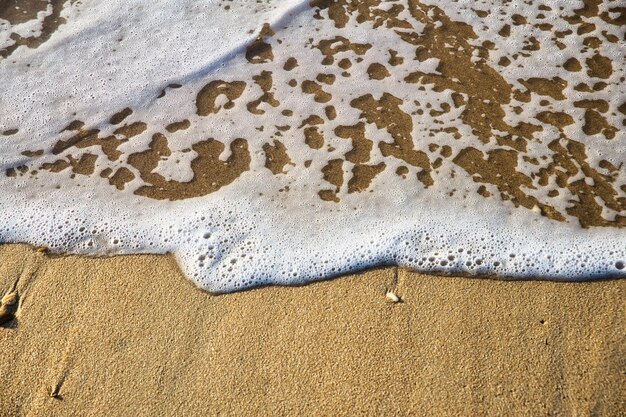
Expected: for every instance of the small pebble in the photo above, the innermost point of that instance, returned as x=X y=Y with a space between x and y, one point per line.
x=392 y=297
x=9 y=299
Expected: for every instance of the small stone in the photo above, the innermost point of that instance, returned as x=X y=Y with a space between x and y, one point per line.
x=392 y=297
x=9 y=299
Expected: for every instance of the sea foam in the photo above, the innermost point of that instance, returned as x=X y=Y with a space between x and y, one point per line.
x=284 y=142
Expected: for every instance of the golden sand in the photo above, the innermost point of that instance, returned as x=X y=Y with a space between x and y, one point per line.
x=130 y=335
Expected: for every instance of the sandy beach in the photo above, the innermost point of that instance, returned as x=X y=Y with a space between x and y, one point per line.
x=131 y=335
x=282 y=142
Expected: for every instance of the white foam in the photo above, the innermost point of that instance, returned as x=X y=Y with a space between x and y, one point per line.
x=249 y=232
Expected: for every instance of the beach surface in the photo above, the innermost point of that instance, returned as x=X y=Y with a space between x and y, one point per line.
x=131 y=334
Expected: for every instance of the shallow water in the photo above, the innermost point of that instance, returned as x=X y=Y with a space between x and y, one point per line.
x=285 y=142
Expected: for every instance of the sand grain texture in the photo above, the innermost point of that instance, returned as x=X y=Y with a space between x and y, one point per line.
x=131 y=334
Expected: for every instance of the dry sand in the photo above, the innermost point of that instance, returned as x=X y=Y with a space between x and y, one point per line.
x=132 y=336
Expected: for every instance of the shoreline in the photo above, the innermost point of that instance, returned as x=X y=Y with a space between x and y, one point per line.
x=47 y=254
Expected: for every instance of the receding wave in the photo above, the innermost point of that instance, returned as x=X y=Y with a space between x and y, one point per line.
x=284 y=142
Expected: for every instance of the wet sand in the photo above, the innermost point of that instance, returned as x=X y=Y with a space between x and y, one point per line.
x=132 y=335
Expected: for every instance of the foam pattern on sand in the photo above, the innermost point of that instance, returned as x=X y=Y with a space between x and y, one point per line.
x=283 y=142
